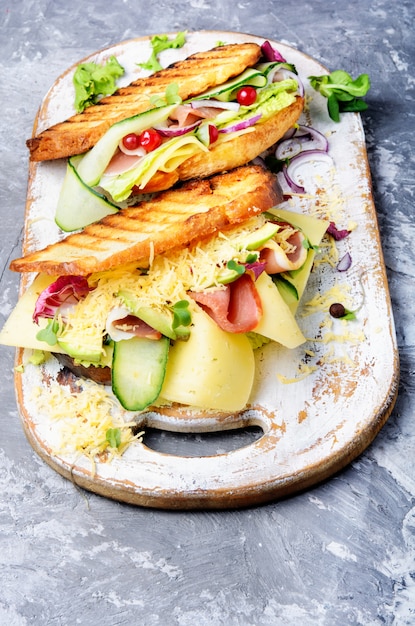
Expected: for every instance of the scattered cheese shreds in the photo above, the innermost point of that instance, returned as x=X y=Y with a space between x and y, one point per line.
x=84 y=417
x=328 y=253
x=322 y=301
x=168 y=279
x=304 y=371
x=347 y=337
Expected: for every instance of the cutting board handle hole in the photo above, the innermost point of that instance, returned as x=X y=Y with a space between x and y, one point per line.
x=200 y=444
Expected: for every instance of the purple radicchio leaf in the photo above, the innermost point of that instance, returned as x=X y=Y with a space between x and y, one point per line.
x=66 y=290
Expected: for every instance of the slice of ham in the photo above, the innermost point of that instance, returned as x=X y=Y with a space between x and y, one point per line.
x=236 y=308
x=121 y=163
x=185 y=114
x=121 y=324
x=277 y=260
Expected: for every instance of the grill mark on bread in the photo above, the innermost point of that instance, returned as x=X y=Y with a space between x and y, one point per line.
x=194 y=75
x=172 y=220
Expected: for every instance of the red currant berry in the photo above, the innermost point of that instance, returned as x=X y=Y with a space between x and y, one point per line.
x=150 y=139
x=131 y=141
x=246 y=95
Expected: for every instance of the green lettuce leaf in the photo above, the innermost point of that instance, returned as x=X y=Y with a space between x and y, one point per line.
x=92 y=80
x=158 y=44
x=342 y=92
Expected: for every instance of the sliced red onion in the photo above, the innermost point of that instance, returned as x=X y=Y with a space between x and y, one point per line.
x=336 y=233
x=345 y=262
x=215 y=104
x=289 y=149
x=292 y=185
x=241 y=125
x=289 y=133
x=176 y=131
x=302 y=139
x=271 y=54
x=290 y=170
x=311 y=134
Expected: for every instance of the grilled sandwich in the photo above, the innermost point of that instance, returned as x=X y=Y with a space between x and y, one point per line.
x=172 y=220
x=220 y=119
x=160 y=300
x=193 y=75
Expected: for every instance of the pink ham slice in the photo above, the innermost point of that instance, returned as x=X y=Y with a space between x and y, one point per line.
x=121 y=324
x=122 y=162
x=236 y=308
x=277 y=261
x=137 y=327
x=185 y=114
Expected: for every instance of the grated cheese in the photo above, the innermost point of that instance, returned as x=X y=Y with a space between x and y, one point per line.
x=328 y=253
x=322 y=301
x=304 y=371
x=83 y=418
x=166 y=281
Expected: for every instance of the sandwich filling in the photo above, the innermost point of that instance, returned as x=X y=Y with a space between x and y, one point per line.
x=183 y=328
x=144 y=153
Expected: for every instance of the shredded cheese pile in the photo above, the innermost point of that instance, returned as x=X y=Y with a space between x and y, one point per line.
x=83 y=419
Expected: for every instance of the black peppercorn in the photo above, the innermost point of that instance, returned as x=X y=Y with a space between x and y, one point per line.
x=337 y=310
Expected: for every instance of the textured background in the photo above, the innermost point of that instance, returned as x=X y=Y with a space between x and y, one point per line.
x=341 y=553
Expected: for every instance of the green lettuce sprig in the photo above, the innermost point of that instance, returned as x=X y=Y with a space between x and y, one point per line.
x=342 y=92
x=158 y=44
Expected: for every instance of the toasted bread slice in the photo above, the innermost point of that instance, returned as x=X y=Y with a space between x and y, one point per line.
x=242 y=148
x=194 y=75
x=172 y=220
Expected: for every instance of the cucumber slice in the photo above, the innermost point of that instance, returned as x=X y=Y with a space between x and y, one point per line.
x=78 y=204
x=138 y=371
x=274 y=66
x=292 y=284
x=314 y=229
x=96 y=160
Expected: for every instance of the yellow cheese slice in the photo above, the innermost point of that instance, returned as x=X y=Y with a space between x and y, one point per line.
x=20 y=330
x=212 y=370
x=277 y=322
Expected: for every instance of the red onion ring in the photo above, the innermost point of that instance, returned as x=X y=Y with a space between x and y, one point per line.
x=305 y=138
x=176 y=131
x=290 y=170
